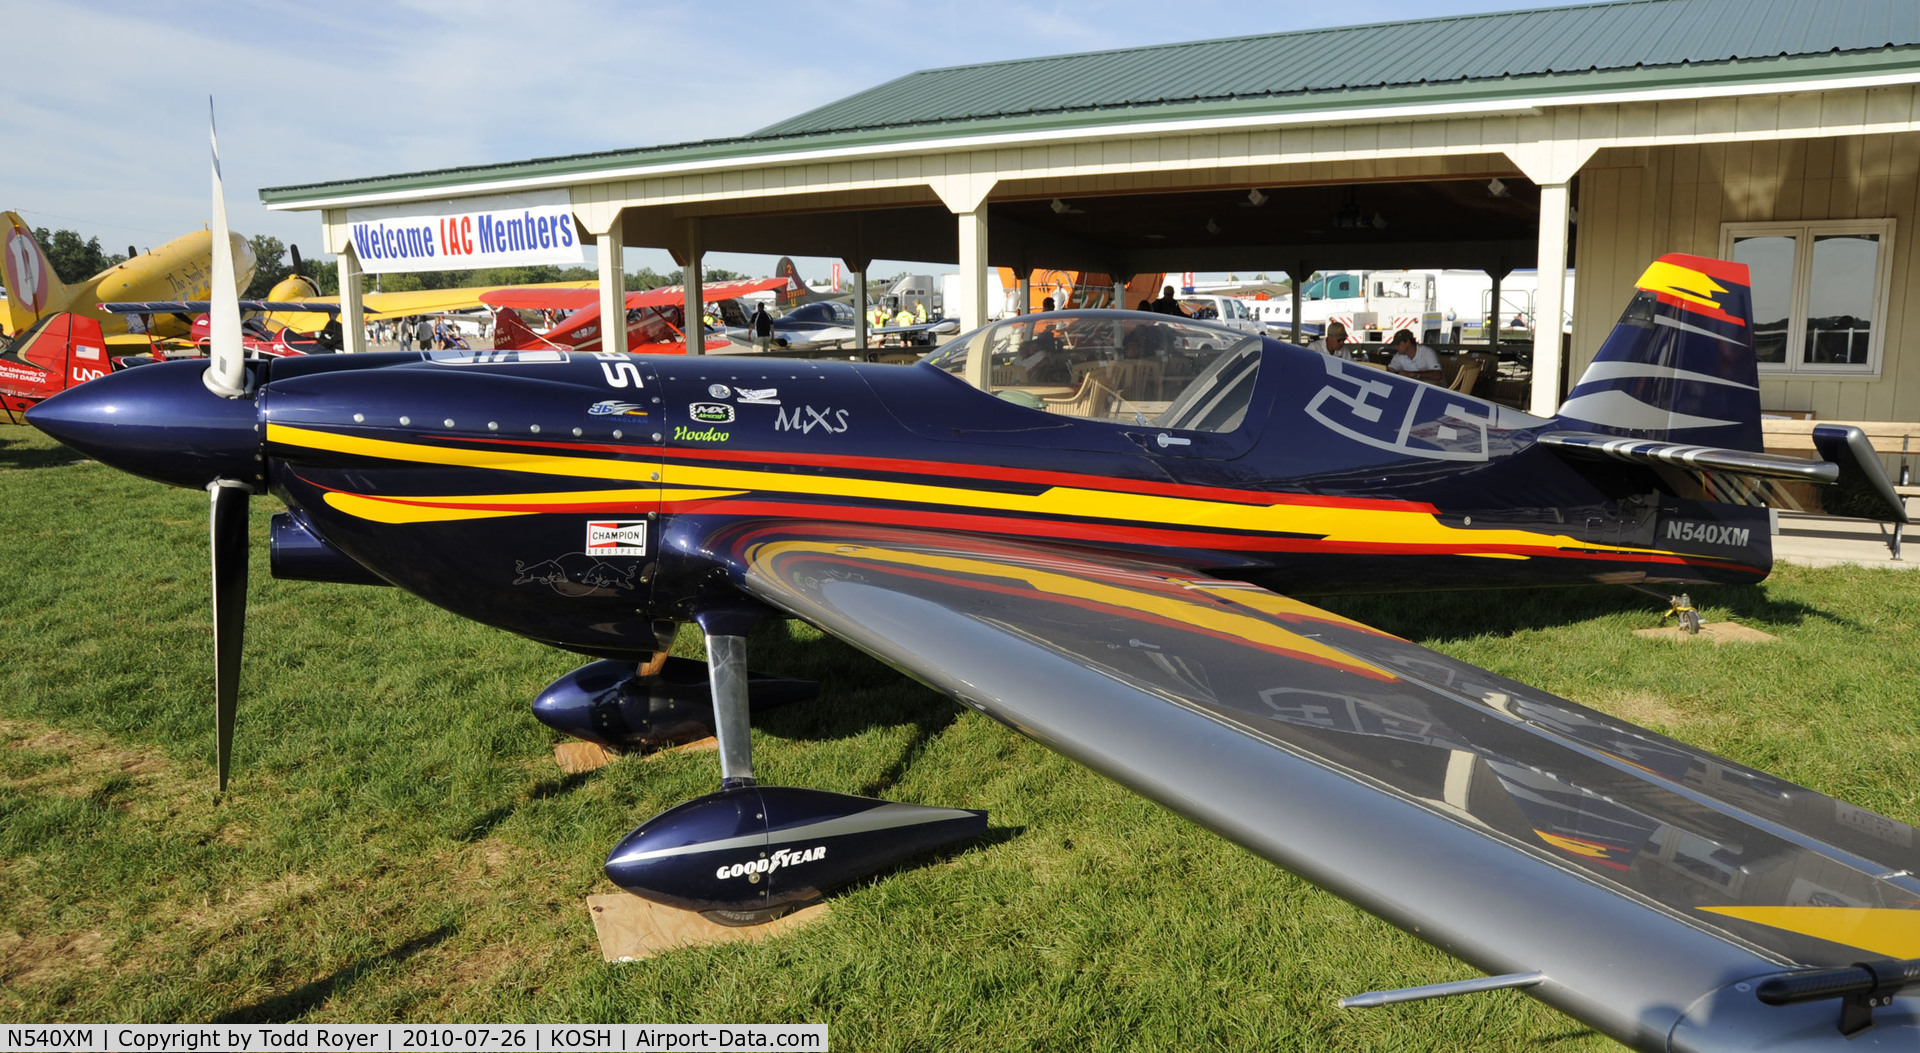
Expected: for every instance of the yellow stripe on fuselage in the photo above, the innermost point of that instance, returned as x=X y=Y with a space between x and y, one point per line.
x=422 y=509
x=1358 y=525
x=1371 y=526
x=463 y=456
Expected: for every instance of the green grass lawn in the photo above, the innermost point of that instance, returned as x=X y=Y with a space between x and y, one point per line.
x=398 y=844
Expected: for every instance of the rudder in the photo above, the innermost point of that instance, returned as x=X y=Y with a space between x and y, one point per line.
x=797 y=290
x=55 y=353
x=510 y=333
x=33 y=289
x=1680 y=364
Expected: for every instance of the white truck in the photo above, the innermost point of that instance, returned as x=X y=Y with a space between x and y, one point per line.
x=1226 y=310
x=1434 y=305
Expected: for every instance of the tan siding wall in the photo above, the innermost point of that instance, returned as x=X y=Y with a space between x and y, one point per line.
x=1676 y=201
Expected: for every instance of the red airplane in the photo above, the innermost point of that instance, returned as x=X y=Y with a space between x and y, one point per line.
x=655 y=318
x=55 y=353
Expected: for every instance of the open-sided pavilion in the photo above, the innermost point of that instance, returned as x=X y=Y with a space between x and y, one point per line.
x=1783 y=132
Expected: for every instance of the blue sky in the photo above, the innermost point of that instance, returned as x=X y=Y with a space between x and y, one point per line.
x=104 y=116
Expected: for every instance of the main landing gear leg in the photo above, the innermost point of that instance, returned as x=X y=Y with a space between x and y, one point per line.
x=750 y=853
x=727 y=672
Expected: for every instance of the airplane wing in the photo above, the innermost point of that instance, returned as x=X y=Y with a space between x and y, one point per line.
x=552 y=298
x=937 y=325
x=377 y=305
x=433 y=301
x=1644 y=880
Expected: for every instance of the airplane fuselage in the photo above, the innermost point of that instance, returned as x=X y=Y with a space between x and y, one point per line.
x=572 y=510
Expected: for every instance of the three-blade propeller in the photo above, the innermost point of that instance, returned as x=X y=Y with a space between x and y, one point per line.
x=226 y=376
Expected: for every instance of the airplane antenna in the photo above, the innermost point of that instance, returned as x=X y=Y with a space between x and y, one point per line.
x=226 y=374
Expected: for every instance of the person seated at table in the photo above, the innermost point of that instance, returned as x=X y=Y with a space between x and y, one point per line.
x=1413 y=359
x=1335 y=343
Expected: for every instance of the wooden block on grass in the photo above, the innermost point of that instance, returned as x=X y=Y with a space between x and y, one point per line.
x=631 y=928
x=576 y=756
x=1718 y=632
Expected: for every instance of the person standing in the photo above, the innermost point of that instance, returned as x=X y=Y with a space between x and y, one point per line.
x=423 y=333
x=1166 y=304
x=760 y=326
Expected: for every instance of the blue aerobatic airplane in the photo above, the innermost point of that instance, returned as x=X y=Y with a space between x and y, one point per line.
x=1090 y=526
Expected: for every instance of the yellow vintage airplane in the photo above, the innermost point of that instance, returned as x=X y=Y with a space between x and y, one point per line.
x=179 y=270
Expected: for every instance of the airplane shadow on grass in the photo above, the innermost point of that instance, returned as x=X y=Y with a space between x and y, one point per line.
x=291 y=1006
x=857 y=694
x=19 y=454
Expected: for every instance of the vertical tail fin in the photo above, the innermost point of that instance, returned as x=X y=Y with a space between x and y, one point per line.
x=797 y=290
x=57 y=352
x=33 y=289
x=510 y=333
x=1680 y=365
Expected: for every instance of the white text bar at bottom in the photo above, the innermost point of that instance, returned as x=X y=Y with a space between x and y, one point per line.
x=420 y=1038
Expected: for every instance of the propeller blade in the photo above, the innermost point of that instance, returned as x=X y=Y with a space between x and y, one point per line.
x=226 y=374
x=299 y=265
x=228 y=541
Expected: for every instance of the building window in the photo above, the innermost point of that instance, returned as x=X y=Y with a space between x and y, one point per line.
x=1819 y=292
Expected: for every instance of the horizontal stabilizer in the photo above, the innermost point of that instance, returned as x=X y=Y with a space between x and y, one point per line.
x=1863 y=490
x=1702 y=458
x=1847 y=468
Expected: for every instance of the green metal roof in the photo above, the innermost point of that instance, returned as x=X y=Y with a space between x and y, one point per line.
x=1635 y=45
x=1641 y=34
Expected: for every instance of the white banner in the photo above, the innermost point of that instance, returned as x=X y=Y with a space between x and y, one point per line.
x=507 y=230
